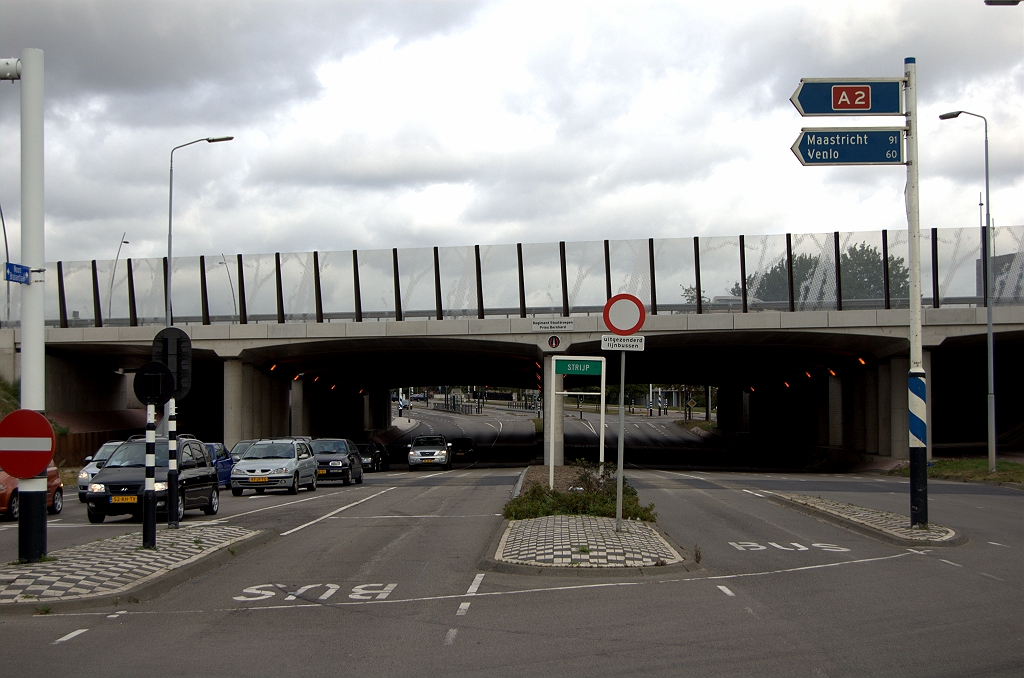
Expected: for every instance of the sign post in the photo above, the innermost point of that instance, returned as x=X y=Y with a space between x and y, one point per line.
x=173 y=348
x=26 y=448
x=879 y=146
x=624 y=315
x=154 y=385
x=582 y=367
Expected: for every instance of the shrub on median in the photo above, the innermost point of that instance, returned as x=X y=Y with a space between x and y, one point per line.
x=592 y=495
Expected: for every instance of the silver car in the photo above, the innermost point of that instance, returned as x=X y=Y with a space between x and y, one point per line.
x=275 y=464
x=430 y=451
x=93 y=464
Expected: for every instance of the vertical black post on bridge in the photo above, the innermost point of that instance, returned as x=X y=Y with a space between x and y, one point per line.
x=154 y=385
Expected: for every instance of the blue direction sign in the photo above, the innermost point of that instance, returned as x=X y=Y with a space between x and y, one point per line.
x=17 y=273
x=861 y=96
x=850 y=146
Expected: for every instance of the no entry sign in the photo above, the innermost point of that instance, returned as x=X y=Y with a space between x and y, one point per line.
x=624 y=314
x=26 y=443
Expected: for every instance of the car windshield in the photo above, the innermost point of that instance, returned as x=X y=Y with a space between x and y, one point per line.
x=428 y=440
x=240 y=448
x=106 y=450
x=133 y=455
x=329 y=447
x=270 y=451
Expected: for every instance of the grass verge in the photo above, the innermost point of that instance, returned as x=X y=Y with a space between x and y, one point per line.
x=969 y=469
x=592 y=495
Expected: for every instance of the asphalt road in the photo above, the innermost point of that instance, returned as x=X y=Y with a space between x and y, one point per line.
x=390 y=586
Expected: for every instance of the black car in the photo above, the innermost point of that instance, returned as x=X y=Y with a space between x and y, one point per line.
x=118 y=487
x=463 y=449
x=374 y=456
x=337 y=459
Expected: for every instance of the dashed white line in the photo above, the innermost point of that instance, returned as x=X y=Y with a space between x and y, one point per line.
x=64 y=639
x=726 y=591
x=338 y=510
x=117 y=614
x=990 y=576
x=995 y=543
x=950 y=562
x=449 y=637
x=475 y=585
x=463 y=608
x=754 y=493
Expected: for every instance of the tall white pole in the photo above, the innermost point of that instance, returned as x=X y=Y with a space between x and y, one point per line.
x=33 y=329
x=989 y=239
x=600 y=443
x=622 y=426
x=917 y=415
x=549 y=405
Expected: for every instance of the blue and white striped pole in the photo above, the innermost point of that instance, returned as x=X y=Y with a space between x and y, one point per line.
x=916 y=386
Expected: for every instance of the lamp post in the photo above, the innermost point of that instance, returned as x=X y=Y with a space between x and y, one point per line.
x=986 y=255
x=113 y=272
x=170 y=220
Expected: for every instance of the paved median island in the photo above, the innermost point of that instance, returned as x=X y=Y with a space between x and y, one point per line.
x=890 y=527
x=584 y=541
x=114 y=566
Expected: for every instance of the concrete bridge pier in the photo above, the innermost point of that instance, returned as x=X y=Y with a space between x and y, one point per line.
x=256 y=404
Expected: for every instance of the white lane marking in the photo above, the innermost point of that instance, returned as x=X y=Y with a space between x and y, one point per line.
x=950 y=562
x=480 y=515
x=64 y=639
x=475 y=585
x=995 y=543
x=754 y=493
x=287 y=503
x=463 y=608
x=449 y=637
x=463 y=475
x=338 y=510
x=726 y=591
x=990 y=576
x=116 y=614
x=260 y=496
x=435 y=474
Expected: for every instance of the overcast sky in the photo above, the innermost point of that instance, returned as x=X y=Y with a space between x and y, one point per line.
x=383 y=124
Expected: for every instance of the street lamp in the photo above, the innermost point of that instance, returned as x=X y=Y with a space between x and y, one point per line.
x=113 y=272
x=170 y=217
x=986 y=244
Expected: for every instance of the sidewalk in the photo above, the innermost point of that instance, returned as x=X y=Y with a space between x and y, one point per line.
x=113 y=566
x=584 y=541
x=890 y=527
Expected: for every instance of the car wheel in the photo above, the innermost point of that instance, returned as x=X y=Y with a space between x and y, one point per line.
x=214 y=505
x=260 y=490
x=312 y=484
x=359 y=480
x=181 y=507
x=81 y=497
x=95 y=516
x=236 y=492
x=13 y=507
x=58 y=502
x=294 y=487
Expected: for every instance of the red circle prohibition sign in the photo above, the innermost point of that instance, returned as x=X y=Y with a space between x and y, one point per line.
x=620 y=311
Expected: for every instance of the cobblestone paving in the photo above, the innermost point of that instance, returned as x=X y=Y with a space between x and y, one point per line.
x=583 y=541
x=112 y=565
x=890 y=523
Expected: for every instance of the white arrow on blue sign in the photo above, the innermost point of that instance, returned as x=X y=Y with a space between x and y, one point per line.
x=17 y=273
x=860 y=96
x=850 y=146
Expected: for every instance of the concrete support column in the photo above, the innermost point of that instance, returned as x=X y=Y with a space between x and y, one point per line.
x=927 y=361
x=298 y=404
x=554 y=415
x=898 y=404
x=257 y=404
x=232 y=402
x=884 y=409
x=871 y=410
x=267 y=406
x=247 y=402
x=835 y=411
x=730 y=409
x=279 y=406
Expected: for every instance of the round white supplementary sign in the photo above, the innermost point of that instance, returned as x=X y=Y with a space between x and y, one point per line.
x=624 y=314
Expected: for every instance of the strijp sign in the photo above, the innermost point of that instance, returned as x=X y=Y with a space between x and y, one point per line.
x=850 y=146
x=861 y=96
x=577 y=366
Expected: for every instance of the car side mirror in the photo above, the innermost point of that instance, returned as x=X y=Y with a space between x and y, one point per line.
x=88 y=459
x=187 y=464
x=101 y=463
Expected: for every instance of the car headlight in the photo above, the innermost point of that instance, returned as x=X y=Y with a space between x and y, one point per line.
x=160 y=487
x=279 y=470
x=97 y=487
x=84 y=475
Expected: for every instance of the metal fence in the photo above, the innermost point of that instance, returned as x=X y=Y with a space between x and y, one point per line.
x=740 y=274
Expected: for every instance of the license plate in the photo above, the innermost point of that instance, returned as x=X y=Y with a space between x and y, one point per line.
x=428 y=461
x=321 y=471
x=124 y=499
x=258 y=479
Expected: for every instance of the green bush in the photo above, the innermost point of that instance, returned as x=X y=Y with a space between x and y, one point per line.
x=593 y=495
